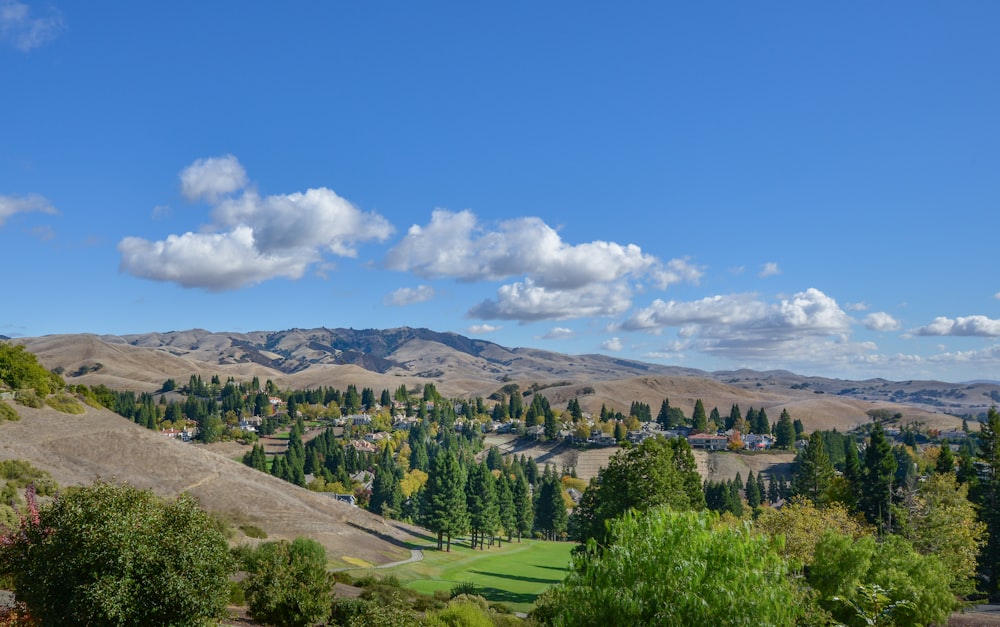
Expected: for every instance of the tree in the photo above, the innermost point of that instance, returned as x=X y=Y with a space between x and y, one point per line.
x=481 y=503
x=505 y=501
x=114 y=555
x=668 y=477
x=523 y=506
x=814 y=472
x=784 y=431
x=663 y=567
x=287 y=584
x=752 y=491
x=945 y=463
x=989 y=496
x=699 y=421
x=550 y=508
x=443 y=510
x=943 y=522
x=875 y=499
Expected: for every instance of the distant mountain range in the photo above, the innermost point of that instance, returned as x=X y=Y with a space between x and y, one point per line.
x=462 y=366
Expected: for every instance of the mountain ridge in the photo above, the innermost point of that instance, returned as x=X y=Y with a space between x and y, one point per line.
x=459 y=366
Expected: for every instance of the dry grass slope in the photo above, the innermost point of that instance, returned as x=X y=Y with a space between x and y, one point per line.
x=99 y=444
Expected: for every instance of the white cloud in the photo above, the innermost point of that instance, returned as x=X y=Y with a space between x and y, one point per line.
x=211 y=178
x=881 y=321
x=558 y=333
x=213 y=261
x=978 y=326
x=741 y=326
x=526 y=301
x=19 y=28
x=613 y=344
x=9 y=205
x=859 y=306
x=770 y=269
x=252 y=238
x=997 y=296
x=482 y=329
x=410 y=295
x=559 y=280
x=317 y=218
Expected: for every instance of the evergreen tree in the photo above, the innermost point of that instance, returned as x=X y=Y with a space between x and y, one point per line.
x=699 y=421
x=813 y=471
x=875 y=495
x=734 y=417
x=989 y=496
x=550 y=508
x=551 y=426
x=481 y=504
x=505 y=502
x=443 y=510
x=752 y=491
x=663 y=418
x=784 y=432
x=763 y=426
x=946 y=460
x=523 y=506
x=773 y=493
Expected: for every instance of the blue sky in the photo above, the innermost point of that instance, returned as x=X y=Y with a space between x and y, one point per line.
x=714 y=185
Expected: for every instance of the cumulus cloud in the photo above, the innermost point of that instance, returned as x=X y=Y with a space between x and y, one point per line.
x=612 y=344
x=211 y=178
x=482 y=329
x=558 y=333
x=558 y=280
x=977 y=326
x=410 y=295
x=214 y=261
x=526 y=301
x=24 y=31
x=859 y=306
x=9 y=205
x=770 y=269
x=252 y=238
x=881 y=321
x=743 y=326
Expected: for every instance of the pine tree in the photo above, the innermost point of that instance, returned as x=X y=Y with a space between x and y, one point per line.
x=814 y=471
x=481 y=503
x=663 y=418
x=989 y=496
x=734 y=417
x=523 y=506
x=877 y=478
x=505 y=502
x=946 y=460
x=699 y=421
x=752 y=491
x=785 y=432
x=443 y=510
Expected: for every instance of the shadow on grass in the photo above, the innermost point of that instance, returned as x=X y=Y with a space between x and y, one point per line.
x=496 y=595
x=517 y=577
x=562 y=569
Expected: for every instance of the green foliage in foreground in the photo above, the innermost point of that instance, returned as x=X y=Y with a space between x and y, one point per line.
x=287 y=583
x=115 y=555
x=674 y=568
x=15 y=476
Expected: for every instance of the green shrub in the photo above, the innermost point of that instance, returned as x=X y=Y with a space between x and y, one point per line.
x=65 y=404
x=29 y=398
x=393 y=612
x=253 y=531
x=466 y=587
x=108 y=554
x=8 y=413
x=287 y=583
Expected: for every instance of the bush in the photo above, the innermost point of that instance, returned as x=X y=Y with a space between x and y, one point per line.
x=7 y=412
x=253 y=531
x=109 y=554
x=65 y=404
x=373 y=613
x=287 y=583
x=29 y=398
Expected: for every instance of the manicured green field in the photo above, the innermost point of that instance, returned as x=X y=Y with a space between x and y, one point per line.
x=514 y=574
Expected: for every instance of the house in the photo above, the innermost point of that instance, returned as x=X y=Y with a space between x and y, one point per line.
x=345 y=498
x=536 y=431
x=360 y=419
x=708 y=441
x=757 y=442
x=363 y=446
x=602 y=439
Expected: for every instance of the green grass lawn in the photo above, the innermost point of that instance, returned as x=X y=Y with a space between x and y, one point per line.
x=513 y=575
